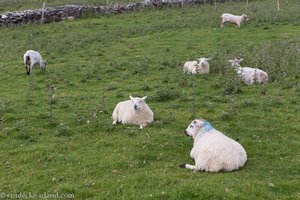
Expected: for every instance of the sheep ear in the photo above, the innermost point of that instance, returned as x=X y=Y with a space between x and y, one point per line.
x=208 y=59
x=131 y=97
x=144 y=98
x=230 y=61
x=241 y=59
x=196 y=122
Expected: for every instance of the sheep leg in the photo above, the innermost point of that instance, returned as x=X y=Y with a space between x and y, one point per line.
x=188 y=166
x=142 y=126
x=28 y=70
x=114 y=122
x=222 y=24
x=252 y=80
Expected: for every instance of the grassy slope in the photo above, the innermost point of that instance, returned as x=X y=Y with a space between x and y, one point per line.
x=96 y=62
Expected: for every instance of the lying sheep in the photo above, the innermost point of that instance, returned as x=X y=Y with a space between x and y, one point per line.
x=133 y=111
x=235 y=19
x=197 y=67
x=247 y=74
x=32 y=58
x=212 y=150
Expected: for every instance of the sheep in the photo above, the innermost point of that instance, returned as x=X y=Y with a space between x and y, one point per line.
x=235 y=19
x=32 y=58
x=197 y=67
x=247 y=74
x=134 y=111
x=212 y=150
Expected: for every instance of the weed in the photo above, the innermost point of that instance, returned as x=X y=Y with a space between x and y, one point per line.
x=80 y=117
x=30 y=89
x=146 y=87
x=266 y=104
x=23 y=133
x=110 y=87
x=4 y=107
x=52 y=100
x=63 y=130
x=224 y=116
x=231 y=83
x=166 y=94
x=141 y=66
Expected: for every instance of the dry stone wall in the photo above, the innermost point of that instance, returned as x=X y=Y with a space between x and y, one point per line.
x=74 y=11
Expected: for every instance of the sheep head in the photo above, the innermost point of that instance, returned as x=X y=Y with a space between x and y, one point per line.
x=138 y=103
x=245 y=17
x=203 y=59
x=43 y=64
x=196 y=125
x=236 y=62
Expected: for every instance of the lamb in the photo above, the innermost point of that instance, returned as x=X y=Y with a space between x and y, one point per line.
x=134 y=111
x=247 y=74
x=235 y=19
x=32 y=58
x=197 y=67
x=212 y=150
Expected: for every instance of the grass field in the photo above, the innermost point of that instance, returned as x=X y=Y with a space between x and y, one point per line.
x=55 y=126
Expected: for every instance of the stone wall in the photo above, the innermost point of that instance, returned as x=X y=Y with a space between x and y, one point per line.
x=74 y=11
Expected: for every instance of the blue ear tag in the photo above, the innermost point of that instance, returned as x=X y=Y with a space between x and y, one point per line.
x=207 y=126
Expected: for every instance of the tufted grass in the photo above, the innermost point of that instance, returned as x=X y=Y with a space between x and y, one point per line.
x=66 y=144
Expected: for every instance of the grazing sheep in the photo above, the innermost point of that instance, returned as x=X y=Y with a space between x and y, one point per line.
x=249 y=75
x=32 y=58
x=212 y=150
x=235 y=19
x=133 y=111
x=197 y=67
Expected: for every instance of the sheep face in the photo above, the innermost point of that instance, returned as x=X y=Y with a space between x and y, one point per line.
x=236 y=62
x=138 y=103
x=43 y=64
x=193 y=128
x=198 y=126
x=246 y=18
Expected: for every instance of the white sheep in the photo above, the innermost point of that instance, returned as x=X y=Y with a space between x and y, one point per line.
x=32 y=58
x=212 y=150
x=235 y=19
x=197 y=67
x=247 y=74
x=133 y=111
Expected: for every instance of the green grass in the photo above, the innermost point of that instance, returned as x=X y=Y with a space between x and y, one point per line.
x=68 y=145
